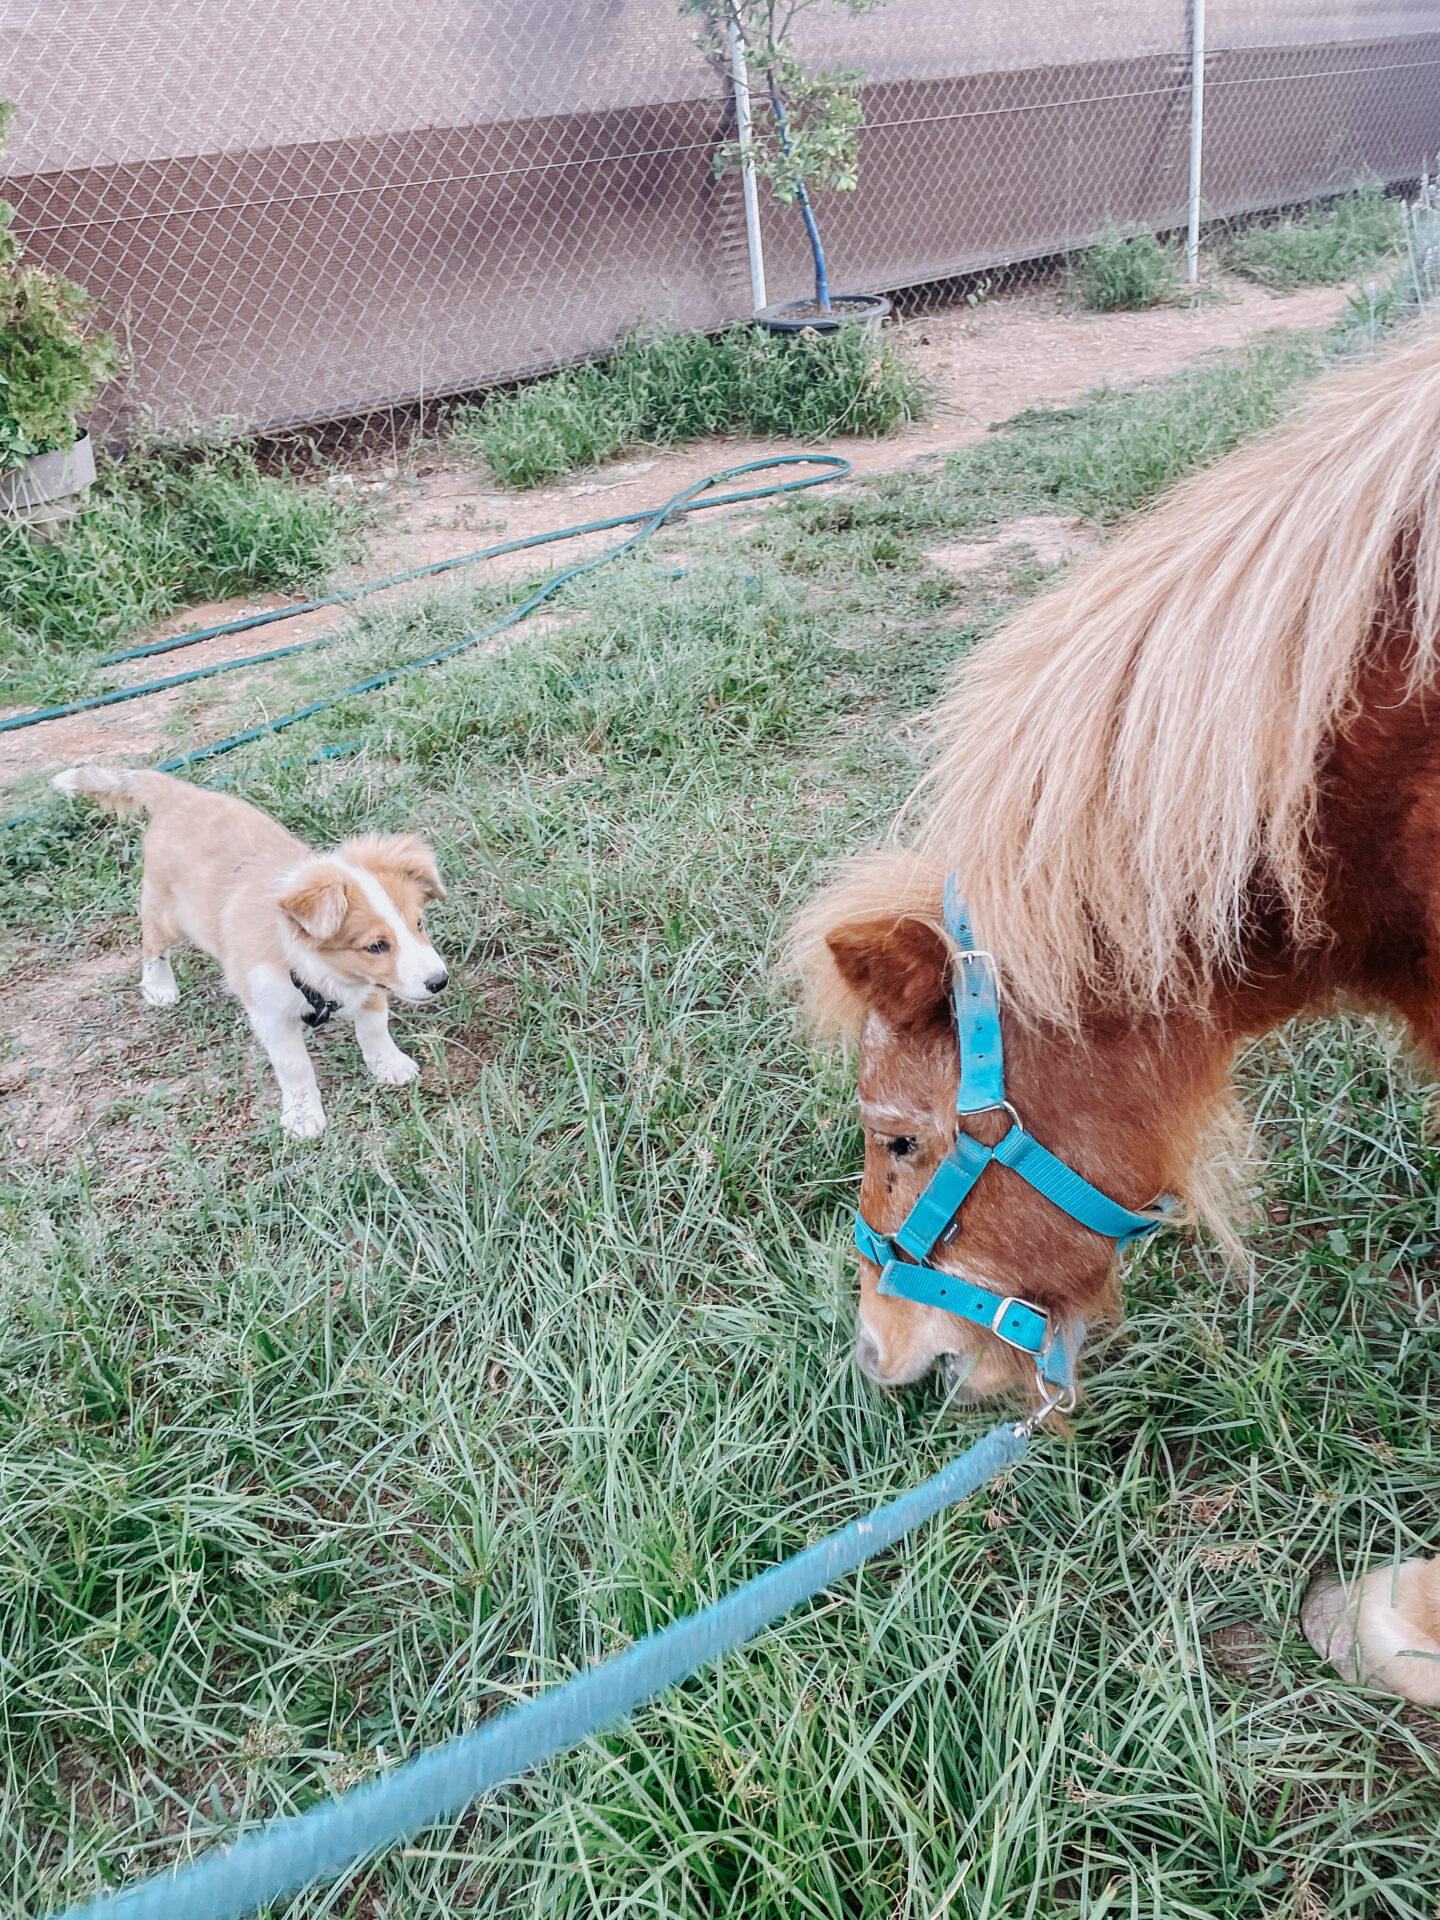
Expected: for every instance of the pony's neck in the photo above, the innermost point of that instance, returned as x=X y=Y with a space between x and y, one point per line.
x=1376 y=846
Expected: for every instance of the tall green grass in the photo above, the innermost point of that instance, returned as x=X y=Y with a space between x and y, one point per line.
x=313 y=1455
x=1124 y=269
x=685 y=386
x=1323 y=245
x=1102 y=458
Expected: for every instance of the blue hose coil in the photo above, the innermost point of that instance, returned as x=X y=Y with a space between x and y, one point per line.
x=654 y=518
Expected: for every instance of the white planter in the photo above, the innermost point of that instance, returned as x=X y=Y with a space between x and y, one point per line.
x=50 y=487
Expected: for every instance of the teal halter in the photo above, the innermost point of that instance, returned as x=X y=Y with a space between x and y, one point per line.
x=903 y=1259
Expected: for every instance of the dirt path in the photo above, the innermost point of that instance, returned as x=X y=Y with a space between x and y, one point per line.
x=1019 y=351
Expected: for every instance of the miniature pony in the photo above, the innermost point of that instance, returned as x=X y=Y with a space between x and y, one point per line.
x=1190 y=793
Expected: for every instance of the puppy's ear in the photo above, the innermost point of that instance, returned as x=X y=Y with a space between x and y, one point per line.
x=900 y=968
x=408 y=854
x=317 y=903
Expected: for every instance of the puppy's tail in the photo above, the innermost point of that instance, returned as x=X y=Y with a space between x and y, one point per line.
x=117 y=788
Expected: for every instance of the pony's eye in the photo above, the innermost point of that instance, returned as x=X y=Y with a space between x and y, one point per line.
x=906 y=1144
x=378 y=946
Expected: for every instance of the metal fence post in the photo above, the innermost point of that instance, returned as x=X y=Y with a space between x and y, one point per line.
x=1197 y=126
x=741 y=76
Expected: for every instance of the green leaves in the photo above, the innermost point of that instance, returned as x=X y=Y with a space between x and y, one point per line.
x=50 y=367
x=818 y=145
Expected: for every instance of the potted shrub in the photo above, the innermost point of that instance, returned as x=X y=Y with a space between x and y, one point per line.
x=805 y=135
x=51 y=369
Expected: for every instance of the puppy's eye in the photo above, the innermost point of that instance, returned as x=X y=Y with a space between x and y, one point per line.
x=905 y=1145
x=378 y=946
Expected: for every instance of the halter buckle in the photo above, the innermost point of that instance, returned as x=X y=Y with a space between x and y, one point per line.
x=1013 y=1300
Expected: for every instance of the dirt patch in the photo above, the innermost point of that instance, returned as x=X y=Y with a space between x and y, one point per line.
x=1021 y=351
x=467 y=1051
x=89 y=1067
x=86 y=1066
x=1049 y=536
x=69 y=1037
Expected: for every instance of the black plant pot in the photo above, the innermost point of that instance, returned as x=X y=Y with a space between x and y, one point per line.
x=865 y=310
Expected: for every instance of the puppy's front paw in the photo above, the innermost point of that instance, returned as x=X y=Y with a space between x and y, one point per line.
x=393 y=1069
x=302 y=1119
x=158 y=985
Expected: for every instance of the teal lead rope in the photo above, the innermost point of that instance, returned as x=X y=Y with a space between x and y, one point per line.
x=291 y=1853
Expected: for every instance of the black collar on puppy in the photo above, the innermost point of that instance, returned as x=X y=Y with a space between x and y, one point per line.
x=320 y=1008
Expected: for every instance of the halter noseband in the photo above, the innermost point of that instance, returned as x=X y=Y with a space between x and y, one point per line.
x=933 y=1219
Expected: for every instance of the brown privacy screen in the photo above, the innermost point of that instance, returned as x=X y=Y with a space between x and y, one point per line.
x=294 y=211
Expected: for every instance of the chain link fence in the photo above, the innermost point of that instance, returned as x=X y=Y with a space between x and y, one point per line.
x=296 y=211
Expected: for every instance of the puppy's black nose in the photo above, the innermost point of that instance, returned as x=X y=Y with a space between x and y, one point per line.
x=437 y=983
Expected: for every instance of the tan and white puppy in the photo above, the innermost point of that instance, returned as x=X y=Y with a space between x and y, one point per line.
x=301 y=935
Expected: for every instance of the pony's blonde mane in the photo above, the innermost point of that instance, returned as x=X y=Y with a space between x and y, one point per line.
x=1129 y=755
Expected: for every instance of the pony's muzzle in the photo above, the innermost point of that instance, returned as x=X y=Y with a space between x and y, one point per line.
x=870 y=1356
x=876 y=1362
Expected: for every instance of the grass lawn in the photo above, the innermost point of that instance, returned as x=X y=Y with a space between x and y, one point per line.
x=316 y=1454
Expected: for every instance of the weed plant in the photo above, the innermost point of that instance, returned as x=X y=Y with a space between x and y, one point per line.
x=1123 y=270
x=1325 y=245
x=1413 y=288
x=686 y=386
x=316 y=1454
x=164 y=528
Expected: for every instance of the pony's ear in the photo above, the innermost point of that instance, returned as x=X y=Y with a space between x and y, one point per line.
x=317 y=903
x=899 y=968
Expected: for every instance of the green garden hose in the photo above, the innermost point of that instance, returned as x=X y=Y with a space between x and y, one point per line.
x=653 y=517
x=686 y=501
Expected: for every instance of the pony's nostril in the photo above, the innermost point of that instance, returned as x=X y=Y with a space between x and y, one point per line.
x=869 y=1355
x=437 y=983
